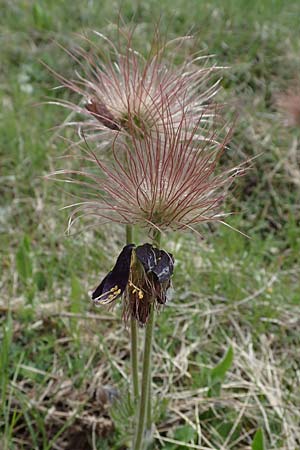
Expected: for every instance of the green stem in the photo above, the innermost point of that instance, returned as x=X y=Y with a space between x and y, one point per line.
x=134 y=358
x=133 y=336
x=129 y=234
x=149 y=406
x=145 y=406
x=156 y=239
x=156 y=242
x=146 y=379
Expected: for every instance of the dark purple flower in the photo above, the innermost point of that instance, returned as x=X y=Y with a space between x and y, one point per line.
x=142 y=275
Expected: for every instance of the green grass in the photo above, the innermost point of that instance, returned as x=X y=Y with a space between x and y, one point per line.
x=59 y=358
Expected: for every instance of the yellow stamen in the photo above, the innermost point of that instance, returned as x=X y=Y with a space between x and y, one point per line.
x=136 y=290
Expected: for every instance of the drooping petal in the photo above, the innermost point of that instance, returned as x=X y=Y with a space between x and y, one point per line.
x=115 y=282
x=164 y=267
x=147 y=256
x=155 y=260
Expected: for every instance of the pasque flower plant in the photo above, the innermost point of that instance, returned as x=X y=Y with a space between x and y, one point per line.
x=160 y=173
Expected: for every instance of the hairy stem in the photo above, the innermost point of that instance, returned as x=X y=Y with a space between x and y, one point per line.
x=133 y=336
x=134 y=358
x=156 y=242
x=145 y=405
x=146 y=379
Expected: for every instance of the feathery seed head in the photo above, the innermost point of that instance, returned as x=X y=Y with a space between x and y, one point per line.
x=165 y=180
x=122 y=89
x=163 y=131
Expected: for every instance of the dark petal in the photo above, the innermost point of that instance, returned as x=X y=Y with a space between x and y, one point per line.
x=164 y=267
x=115 y=282
x=147 y=255
x=161 y=291
x=100 y=112
x=157 y=261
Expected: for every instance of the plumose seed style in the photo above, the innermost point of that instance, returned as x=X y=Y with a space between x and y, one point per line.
x=163 y=145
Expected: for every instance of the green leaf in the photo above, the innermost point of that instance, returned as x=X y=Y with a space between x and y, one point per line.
x=26 y=243
x=40 y=280
x=23 y=260
x=76 y=302
x=214 y=390
x=5 y=348
x=218 y=373
x=41 y=17
x=76 y=295
x=258 y=442
x=184 y=433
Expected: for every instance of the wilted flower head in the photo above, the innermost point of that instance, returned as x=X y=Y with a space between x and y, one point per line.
x=121 y=89
x=142 y=275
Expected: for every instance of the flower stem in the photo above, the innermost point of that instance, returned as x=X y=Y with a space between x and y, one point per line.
x=133 y=336
x=146 y=380
x=134 y=358
x=145 y=405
